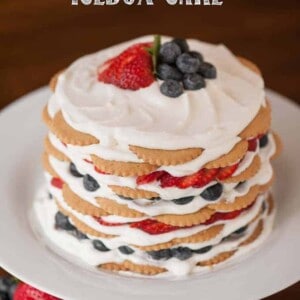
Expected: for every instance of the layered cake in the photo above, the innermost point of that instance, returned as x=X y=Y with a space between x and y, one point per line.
x=158 y=158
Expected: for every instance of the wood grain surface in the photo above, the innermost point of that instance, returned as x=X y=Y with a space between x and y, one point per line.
x=40 y=37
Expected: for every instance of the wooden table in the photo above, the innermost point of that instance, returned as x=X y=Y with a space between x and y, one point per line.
x=37 y=38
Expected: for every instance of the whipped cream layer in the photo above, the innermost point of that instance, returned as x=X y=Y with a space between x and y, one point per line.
x=46 y=209
x=208 y=118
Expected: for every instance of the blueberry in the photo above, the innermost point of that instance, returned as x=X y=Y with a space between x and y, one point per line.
x=241 y=230
x=155 y=199
x=196 y=54
x=183 y=201
x=187 y=63
x=4 y=296
x=62 y=222
x=98 y=245
x=126 y=250
x=50 y=196
x=207 y=70
x=182 y=43
x=203 y=250
x=161 y=254
x=169 y=52
x=182 y=253
x=165 y=71
x=78 y=234
x=193 y=82
x=171 y=88
x=263 y=141
x=90 y=184
x=74 y=171
x=213 y=192
x=239 y=185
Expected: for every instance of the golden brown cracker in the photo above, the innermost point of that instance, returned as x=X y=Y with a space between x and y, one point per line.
x=46 y=117
x=47 y=166
x=238 y=203
x=187 y=220
x=216 y=259
x=121 y=168
x=259 y=125
x=271 y=205
x=133 y=193
x=114 y=208
x=255 y=234
x=132 y=267
x=80 y=205
x=166 y=157
x=250 y=65
x=236 y=154
x=279 y=145
x=82 y=227
x=51 y=150
x=199 y=237
x=53 y=80
x=69 y=135
x=248 y=173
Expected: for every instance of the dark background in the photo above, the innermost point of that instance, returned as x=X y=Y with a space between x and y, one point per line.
x=40 y=37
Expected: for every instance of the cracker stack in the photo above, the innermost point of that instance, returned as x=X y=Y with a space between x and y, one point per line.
x=125 y=211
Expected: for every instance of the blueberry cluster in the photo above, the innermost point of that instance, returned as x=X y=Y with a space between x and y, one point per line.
x=8 y=286
x=181 y=253
x=182 y=69
x=89 y=183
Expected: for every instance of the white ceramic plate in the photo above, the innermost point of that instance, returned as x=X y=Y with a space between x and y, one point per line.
x=271 y=268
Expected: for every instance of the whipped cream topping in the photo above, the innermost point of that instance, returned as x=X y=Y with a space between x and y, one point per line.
x=208 y=118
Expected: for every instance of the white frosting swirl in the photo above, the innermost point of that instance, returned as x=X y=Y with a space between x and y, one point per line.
x=206 y=118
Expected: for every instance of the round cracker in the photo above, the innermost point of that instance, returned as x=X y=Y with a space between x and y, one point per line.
x=199 y=237
x=187 y=220
x=47 y=166
x=255 y=234
x=259 y=125
x=235 y=154
x=51 y=150
x=279 y=145
x=54 y=79
x=69 y=135
x=248 y=173
x=166 y=157
x=216 y=259
x=127 y=192
x=80 y=205
x=132 y=267
x=114 y=208
x=81 y=226
x=46 y=117
x=238 y=203
x=121 y=168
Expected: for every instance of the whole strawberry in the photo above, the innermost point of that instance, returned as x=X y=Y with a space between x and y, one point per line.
x=26 y=292
x=131 y=70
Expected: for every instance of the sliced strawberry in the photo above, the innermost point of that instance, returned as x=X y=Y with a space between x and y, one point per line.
x=26 y=292
x=167 y=180
x=252 y=144
x=132 y=69
x=104 y=223
x=153 y=227
x=57 y=182
x=148 y=178
x=226 y=172
x=198 y=179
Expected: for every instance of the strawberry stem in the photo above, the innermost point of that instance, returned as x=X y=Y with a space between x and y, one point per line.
x=154 y=50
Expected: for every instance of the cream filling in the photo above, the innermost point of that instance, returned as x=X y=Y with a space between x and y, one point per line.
x=45 y=211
